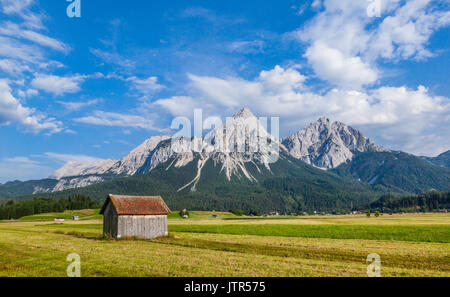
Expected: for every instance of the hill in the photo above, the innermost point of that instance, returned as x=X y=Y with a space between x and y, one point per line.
x=442 y=160
x=18 y=188
x=396 y=171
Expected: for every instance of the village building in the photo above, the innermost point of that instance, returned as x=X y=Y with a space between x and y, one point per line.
x=59 y=220
x=135 y=216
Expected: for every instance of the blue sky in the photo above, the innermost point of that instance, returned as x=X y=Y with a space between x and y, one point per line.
x=97 y=86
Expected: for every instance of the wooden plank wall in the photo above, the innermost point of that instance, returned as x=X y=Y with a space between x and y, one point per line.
x=110 y=220
x=147 y=227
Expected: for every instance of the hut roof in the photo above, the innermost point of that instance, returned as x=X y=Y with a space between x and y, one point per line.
x=137 y=205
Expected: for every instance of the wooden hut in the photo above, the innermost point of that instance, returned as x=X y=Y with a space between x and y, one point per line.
x=135 y=216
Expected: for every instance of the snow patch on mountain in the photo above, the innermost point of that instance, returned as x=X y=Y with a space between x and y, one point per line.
x=137 y=157
x=79 y=169
x=77 y=182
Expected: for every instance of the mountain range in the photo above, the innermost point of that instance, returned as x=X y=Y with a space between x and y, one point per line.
x=442 y=160
x=325 y=165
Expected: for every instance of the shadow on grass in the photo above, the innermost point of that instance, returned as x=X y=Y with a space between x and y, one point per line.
x=96 y=237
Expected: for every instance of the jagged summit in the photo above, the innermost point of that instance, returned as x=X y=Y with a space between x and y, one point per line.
x=244 y=113
x=130 y=164
x=323 y=120
x=327 y=145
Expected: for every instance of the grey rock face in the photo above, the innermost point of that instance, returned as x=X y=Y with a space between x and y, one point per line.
x=327 y=145
x=130 y=164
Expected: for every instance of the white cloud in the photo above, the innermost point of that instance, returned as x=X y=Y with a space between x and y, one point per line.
x=22 y=168
x=27 y=93
x=23 y=160
x=253 y=46
x=112 y=119
x=25 y=53
x=58 y=85
x=281 y=80
x=177 y=105
x=225 y=92
x=22 y=51
x=332 y=65
x=75 y=106
x=14 y=6
x=22 y=9
x=113 y=58
x=145 y=86
x=316 y=4
x=141 y=87
x=12 y=111
x=406 y=34
x=208 y=15
x=13 y=67
x=65 y=158
x=13 y=30
x=341 y=37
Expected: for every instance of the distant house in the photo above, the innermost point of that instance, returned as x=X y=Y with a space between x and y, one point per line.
x=75 y=218
x=59 y=220
x=184 y=214
x=135 y=216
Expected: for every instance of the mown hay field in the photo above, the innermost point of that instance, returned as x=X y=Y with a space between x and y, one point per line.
x=409 y=245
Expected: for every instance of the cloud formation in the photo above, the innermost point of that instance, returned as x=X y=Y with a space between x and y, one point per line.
x=113 y=119
x=65 y=158
x=332 y=65
x=343 y=42
x=22 y=168
x=58 y=85
x=76 y=106
x=145 y=86
x=13 y=30
x=13 y=112
x=22 y=9
x=384 y=113
x=24 y=47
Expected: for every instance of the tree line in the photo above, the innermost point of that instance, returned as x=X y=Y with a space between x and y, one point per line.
x=432 y=201
x=16 y=210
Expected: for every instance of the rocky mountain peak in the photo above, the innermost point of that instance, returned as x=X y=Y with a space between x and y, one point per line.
x=131 y=163
x=75 y=168
x=324 y=120
x=327 y=145
x=244 y=114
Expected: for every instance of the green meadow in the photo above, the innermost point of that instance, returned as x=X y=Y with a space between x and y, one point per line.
x=409 y=245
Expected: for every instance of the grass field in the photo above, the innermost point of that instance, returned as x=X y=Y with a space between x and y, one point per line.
x=409 y=245
x=87 y=214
